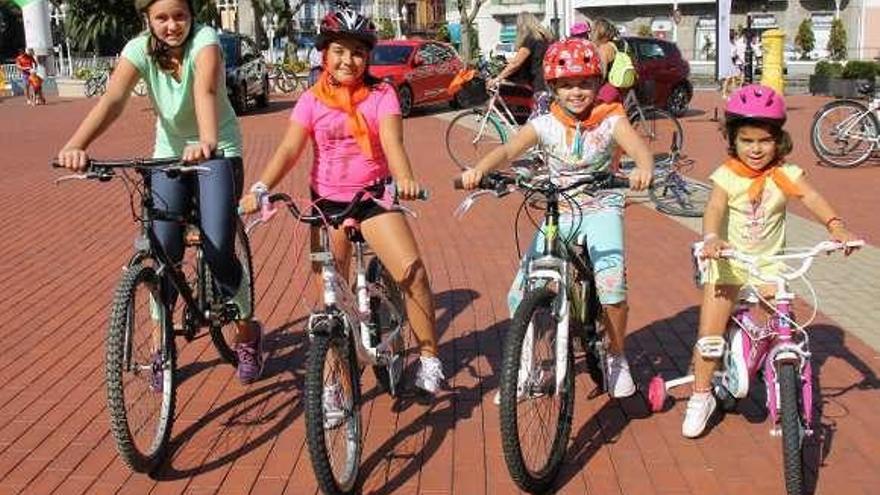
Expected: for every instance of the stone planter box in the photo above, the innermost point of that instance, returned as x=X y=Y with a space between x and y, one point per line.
x=820 y=85
x=71 y=88
x=847 y=88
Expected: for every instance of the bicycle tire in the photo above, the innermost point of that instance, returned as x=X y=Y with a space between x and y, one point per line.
x=533 y=479
x=223 y=341
x=464 y=142
x=91 y=87
x=792 y=428
x=681 y=196
x=661 y=131
x=325 y=338
x=382 y=322
x=123 y=374
x=285 y=83
x=847 y=152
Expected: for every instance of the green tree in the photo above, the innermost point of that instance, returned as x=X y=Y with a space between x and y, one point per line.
x=101 y=26
x=805 y=39
x=837 y=40
x=467 y=11
x=386 y=28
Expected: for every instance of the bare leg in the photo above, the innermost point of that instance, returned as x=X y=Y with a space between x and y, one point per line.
x=718 y=303
x=393 y=242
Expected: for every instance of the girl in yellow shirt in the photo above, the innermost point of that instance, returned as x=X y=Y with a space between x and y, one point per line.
x=746 y=211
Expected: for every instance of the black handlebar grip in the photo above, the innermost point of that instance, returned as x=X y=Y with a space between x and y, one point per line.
x=457 y=184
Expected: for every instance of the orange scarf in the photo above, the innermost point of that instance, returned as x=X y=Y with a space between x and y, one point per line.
x=347 y=98
x=597 y=114
x=759 y=177
x=462 y=77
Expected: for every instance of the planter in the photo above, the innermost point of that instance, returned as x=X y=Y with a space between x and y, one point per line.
x=847 y=88
x=71 y=88
x=820 y=85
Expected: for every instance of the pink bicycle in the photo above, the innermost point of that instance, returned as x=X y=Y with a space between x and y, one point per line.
x=778 y=349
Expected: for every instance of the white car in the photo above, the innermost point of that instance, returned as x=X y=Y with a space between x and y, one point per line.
x=505 y=49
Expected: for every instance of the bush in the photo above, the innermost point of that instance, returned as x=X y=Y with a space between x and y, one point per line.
x=837 y=40
x=443 y=33
x=830 y=69
x=386 y=29
x=83 y=73
x=859 y=69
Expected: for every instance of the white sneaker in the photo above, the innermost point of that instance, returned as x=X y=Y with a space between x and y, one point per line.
x=699 y=409
x=430 y=376
x=736 y=378
x=620 y=381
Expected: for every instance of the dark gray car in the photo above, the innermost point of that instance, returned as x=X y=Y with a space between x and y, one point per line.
x=247 y=76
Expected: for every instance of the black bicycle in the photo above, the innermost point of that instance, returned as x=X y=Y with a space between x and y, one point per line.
x=559 y=304
x=141 y=353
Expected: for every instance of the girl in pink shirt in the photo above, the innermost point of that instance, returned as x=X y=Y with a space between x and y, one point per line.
x=354 y=124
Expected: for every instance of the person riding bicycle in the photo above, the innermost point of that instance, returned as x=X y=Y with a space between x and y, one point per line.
x=746 y=211
x=181 y=63
x=532 y=40
x=354 y=123
x=581 y=135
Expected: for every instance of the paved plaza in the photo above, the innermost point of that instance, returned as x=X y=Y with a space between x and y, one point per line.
x=63 y=248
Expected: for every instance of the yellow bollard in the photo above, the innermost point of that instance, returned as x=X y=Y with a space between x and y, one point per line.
x=772 y=42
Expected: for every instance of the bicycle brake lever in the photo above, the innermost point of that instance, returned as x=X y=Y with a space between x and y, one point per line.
x=83 y=176
x=469 y=201
x=193 y=168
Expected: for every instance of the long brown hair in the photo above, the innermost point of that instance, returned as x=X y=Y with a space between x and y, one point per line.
x=527 y=26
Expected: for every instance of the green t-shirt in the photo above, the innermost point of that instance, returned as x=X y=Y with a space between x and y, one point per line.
x=176 y=124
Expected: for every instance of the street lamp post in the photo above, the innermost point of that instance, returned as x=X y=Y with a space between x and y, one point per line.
x=403 y=16
x=269 y=25
x=59 y=16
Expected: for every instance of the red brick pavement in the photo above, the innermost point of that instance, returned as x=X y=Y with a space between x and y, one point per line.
x=64 y=247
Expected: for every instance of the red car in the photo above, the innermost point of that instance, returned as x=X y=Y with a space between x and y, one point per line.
x=421 y=70
x=663 y=74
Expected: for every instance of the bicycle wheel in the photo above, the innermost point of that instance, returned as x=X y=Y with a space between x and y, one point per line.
x=284 y=82
x=223 y=335
x=471 y=135
x=844 y=133
x=792 y=428
x=535 y=417
x=678 y=195
x=660 y=130
x=92 y=86
x=387 y=315
x=333 y=421
x=140 y=365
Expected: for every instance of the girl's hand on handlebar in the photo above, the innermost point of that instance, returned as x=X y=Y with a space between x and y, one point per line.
x=407 y=189
x=639 y=179
x=74 y=159
x=470 y=179
x=248 y=204
x=713 y=247
x=840 y=234
x=197 y=152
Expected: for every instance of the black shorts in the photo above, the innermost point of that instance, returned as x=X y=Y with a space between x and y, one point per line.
x=364 y=210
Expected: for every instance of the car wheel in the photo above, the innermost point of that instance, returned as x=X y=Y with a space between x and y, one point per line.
x=241 y=99
x=405 y=96
x=263 y=99
x=678 y=100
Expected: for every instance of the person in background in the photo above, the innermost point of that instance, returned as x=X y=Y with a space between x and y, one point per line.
x=604 y=33
x=580 y=29
x=26 y=63
x=532 y=40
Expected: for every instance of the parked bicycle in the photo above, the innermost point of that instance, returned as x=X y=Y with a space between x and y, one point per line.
x=140 y=350
x=560 y=303
x=845 y=133
x=96 y=84
x=361 y=322
x=660 y=129
x=285 y=80
x=779 y=350
x=671 y=191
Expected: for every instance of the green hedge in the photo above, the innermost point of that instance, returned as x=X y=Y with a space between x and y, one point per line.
x=830 y=69
x=859 y=69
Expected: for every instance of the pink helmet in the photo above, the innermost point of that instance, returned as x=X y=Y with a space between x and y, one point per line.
x=581 y=29
x=572 y=57
x=756 y=102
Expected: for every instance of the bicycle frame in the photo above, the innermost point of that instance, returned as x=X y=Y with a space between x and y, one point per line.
x=849 y=125
x=496 y=107
x=351 y=304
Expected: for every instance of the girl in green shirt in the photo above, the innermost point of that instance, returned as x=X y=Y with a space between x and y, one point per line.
x=181 y=63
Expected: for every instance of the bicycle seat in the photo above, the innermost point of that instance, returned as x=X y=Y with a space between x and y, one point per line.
x=866 y=88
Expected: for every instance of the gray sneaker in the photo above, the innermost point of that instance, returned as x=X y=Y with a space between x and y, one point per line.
x=250 y=357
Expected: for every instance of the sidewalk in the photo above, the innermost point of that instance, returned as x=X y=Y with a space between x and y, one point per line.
x=64 y=247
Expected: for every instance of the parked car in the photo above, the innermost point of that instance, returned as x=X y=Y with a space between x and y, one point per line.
x=504 y=49
x=663 y=73
x=247 y=76
x=420 y=70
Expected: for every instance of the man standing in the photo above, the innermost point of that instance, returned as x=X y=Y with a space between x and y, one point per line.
x=26 y=63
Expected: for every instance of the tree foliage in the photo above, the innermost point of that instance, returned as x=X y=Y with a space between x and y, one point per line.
x=467 y=10
x=101 y=26
x=805 y=40
x=837 y=40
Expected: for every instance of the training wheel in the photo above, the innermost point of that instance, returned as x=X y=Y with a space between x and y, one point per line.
x=657 y=393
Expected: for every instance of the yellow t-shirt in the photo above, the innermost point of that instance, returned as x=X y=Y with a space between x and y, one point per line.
x=756 y=229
